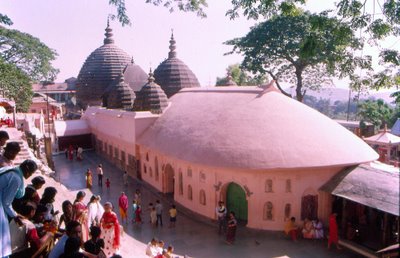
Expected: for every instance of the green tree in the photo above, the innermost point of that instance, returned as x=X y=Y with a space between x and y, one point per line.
x=241 y=77
x=23 y=59
x=16 y=85
x=304 y=49
x=376 y=112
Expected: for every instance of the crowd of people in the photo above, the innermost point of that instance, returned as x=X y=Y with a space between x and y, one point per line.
x=156 y=249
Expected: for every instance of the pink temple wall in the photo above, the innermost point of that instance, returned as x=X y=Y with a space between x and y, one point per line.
x=303 y=181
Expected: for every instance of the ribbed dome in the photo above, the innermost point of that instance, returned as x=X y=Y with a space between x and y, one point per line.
x=121 y=96
x=135 y=76
x=173 y=74
x=100 y=69
x=151 y=97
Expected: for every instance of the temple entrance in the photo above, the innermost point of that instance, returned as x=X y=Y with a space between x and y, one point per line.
x=169 y=181
x=309 y=205
x=236 y=201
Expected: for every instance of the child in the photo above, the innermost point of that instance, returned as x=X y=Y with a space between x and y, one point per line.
x=153 y=216
x=47 y=200
x=172 y=216
x=108 y=183
x=95 y=244
x=134 y=208
x=169 y=252
x=67 y=213
x=138 y=215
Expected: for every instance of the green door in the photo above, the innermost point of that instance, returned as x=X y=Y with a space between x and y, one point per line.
x=236 y=201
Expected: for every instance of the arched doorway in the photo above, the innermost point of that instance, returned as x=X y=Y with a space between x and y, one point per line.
x=309 y=205
x=236 y=201
x=168 y=182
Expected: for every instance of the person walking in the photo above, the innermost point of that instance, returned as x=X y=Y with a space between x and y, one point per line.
x=125 y=178
x=89 y=178
x=221 y=216
x=123 y=207
x=172 y=216
x=110 y=230
x=134 y=208
x=231 y=230
x=99 y=171
x=333 y=231
x=159 y=209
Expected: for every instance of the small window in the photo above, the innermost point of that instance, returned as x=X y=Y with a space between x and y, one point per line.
x=116 y=153
x=202 y=176
x=288 y=186
x=156 y=168
x=180 y=183
x=288 y=210
x=151 y=172
x=123 y=156
x=268 y=186
x=190 y=192
x=110 y=150
x=202 y=197
x=145 y=169
x=189 y=172
x=268 y=211
x=147 y=156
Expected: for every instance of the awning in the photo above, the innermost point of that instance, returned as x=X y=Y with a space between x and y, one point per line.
x=71 y=127
x=367 y=185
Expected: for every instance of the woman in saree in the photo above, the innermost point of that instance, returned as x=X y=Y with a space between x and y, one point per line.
x=89 y=178
x=110 y=230
x=80 y=214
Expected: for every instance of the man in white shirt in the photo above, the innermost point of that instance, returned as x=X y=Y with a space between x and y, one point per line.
x=221 y=216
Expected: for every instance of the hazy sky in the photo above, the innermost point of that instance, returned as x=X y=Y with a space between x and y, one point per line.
x=75 y=28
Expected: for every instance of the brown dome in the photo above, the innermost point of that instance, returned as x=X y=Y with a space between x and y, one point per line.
x=151 y=97
x=100 y=69
x=120 y=96
x=173 y=74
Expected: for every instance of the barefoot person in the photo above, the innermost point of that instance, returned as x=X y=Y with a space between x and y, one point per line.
x=110 y=231
x=231 y=230
x=333 y=231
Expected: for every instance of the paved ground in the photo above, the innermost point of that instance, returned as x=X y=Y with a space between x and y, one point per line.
x=192 y=236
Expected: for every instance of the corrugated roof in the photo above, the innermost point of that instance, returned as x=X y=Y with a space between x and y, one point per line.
x=367 y=185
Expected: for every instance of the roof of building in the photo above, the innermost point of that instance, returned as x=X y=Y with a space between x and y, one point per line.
x=71 y=127
x=383 y=138
x=120 y=96
x=151 y=97
x=251 y=128
x=173 y=74
x=396 y=128
x=69 y=85
x=101 y=68
x=368 y=185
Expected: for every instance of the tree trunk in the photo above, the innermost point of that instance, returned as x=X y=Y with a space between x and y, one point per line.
x=299 y=86
x=278 y=85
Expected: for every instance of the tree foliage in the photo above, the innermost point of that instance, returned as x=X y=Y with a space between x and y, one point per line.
x=240 y=77
x=305 y=50
x=16 y=85
x=376 y=112
x=27 y=53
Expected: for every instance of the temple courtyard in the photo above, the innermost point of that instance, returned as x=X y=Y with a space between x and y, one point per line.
x=193 y=236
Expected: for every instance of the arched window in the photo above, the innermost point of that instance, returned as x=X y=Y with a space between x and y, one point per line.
x=268 y=211
x=151 y=172
x=288 y=210
x=189 y=172
x=288 y=186
x=268 y=186
x=145 y=169
x=156 y=168
x=190 y=192
x=202 y=197
x=180 y=182
x=147 y=156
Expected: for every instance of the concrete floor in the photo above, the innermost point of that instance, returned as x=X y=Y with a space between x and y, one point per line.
x=193 y=236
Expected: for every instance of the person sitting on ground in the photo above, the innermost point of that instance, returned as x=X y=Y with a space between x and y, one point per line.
x=308 y=229
x=169 y=252
x=73 y=229
x=10 y=153
x=3 y=138
x=72 y=249
x=95 y=244
x=291 y=228
x=25 y=240
x=319 y=229
x=160 y=247
x=66 y=217
x=151 y=248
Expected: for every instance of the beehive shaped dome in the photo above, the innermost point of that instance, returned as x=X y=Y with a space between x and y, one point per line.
x=120 y=96
x=100 y=69
x=173 y=74
x=151 y=97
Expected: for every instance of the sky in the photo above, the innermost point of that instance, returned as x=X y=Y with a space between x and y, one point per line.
x=75 y=28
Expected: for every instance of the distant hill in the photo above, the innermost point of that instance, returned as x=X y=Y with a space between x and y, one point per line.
x=335 y=94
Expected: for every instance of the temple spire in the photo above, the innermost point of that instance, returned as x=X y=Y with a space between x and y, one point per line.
x=172 y=46
x=108 y=34
x=151 y=76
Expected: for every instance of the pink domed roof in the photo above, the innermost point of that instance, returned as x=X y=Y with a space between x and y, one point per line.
x=244 y=127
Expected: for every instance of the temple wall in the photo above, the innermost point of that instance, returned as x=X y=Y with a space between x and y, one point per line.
x=214 y=182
